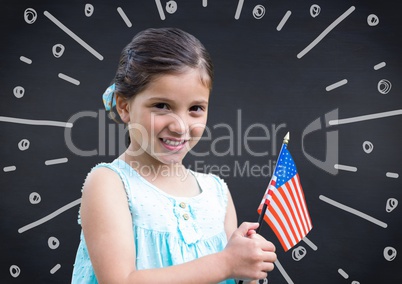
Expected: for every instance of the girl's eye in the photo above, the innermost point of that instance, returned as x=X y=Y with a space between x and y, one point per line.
x=161 y=106
x=196 y=108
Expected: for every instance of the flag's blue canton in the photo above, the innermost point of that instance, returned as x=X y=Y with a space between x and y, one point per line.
x=285 y=168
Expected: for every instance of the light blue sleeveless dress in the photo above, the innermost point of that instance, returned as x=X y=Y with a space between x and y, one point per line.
x=168 y=230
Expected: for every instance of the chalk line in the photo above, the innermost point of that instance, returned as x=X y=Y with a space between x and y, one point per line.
x=353 y=211
x=238 y=9
x=160 y=9
x=35 y=122
x=69 y=79
x=283 y=272
x=283 y=21
x=50 y=216
x=55 y=268
x=365 y=117
x=25 y=60
x=73 y=35
x=343 y=273
x=56 y=161
x=379 y=65
x=345 y=168
x=392 y=175
x=9 y=169
x=326 y=31
x=124 y=17
x=336 y=85
x=310 y=243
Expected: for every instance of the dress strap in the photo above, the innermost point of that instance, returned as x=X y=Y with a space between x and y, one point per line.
x=118 y=168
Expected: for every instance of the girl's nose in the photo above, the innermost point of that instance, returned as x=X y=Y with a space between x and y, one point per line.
x=178 y=124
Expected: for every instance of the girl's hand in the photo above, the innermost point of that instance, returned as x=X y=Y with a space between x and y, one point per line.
x=249 y=255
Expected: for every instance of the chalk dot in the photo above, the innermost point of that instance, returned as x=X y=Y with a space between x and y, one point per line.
x=89 y=10
x=315 y=10
x=298 y=253
x=23 y=144
x=390 y=253
x=58 y=50
x=30 y=16
x=384 y=86
x=391 y=204
x=19 y=92
x=258 y=12
x=171 y=7
x=53 y=243
x=368 y=147
x=34 y=198
x=15 y=271
x=372 y=20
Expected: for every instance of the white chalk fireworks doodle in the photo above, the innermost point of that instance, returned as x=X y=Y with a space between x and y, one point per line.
x=31 y=16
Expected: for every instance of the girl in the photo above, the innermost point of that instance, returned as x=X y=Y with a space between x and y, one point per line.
x=145 y=217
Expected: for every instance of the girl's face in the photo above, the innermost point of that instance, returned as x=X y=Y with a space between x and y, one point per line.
x=167 y=119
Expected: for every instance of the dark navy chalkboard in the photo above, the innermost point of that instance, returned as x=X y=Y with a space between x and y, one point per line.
x=328 y=72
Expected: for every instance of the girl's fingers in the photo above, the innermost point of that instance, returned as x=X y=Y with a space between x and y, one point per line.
x=268 y=267
x=267 y=246
x=270 y=257
x=246 y=227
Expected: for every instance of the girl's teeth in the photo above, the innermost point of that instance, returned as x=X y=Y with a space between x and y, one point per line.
x=172 y=143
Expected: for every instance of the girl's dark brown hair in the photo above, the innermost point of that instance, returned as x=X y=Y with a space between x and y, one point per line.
x=156 y=52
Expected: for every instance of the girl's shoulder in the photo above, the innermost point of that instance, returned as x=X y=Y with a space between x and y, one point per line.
x=111 y=175
x=116 y=165
x=103 y=182
x=110 y=170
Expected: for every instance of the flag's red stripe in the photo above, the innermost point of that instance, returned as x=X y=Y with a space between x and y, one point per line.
x=300 y=204
x=259 y=209
x=288 y=212
x=271 y=187
x=285 y=215
x=281 y=225
x=282 y=192
x=291 y=209
x=305 y=209
x=277 y=234
x=267 y=199
x=297 y=208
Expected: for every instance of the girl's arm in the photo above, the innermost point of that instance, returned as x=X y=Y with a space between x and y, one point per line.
x=107 y=227
x=231 y=217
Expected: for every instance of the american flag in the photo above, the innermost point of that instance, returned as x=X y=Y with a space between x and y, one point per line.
x=287 y=212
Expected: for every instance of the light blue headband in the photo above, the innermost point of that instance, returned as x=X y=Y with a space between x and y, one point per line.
x=109 y=99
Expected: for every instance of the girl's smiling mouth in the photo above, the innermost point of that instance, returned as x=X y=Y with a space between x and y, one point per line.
x=173 y=144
